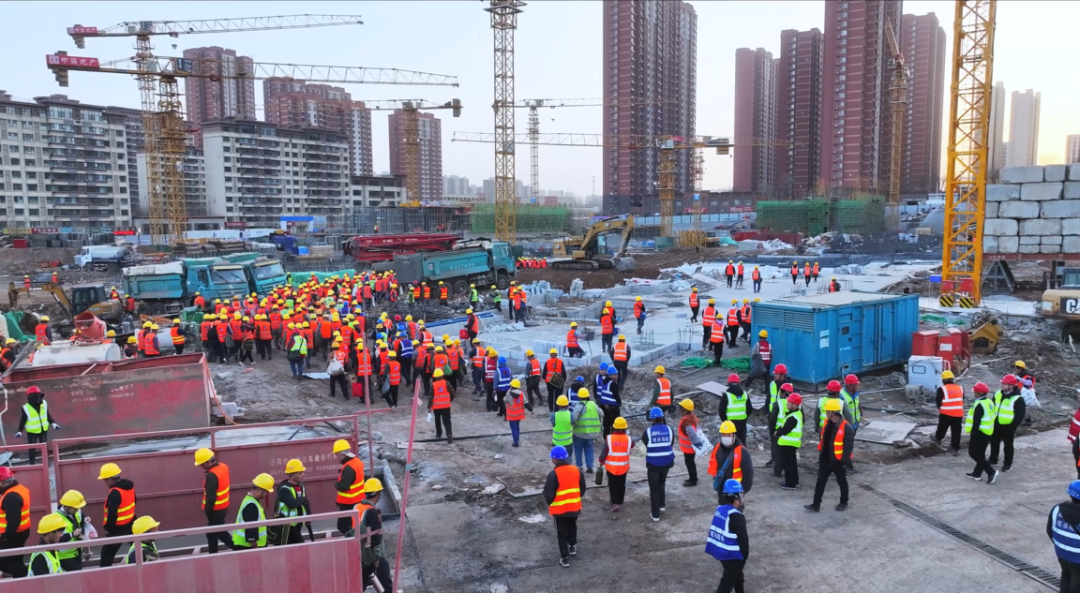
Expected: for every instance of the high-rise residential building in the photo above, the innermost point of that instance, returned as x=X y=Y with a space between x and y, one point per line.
x=1024 y=129
x=63 y=164
x=1072 y=149
x=431 y=183
x=997 y=153
x=136 y=140
x=217 y=99
x=257 y=173
x=755 y=117
x=855 y=100
x=922 y=42
x=650 y=56
x=798 y=104
x=454 y=185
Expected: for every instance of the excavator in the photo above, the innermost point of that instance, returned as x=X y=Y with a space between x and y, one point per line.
x=1063 y=304
x=91 y=298
x=590 y=251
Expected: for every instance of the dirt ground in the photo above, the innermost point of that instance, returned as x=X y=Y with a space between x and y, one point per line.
x=646 y=265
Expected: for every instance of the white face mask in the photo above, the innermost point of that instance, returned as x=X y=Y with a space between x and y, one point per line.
x=727 y=440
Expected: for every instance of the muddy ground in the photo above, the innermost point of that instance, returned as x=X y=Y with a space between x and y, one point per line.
x=646 y=265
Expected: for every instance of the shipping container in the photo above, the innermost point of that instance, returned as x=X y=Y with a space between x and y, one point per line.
x=827 y=336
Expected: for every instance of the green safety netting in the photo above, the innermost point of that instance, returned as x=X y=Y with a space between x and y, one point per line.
x=738 y=363
x=299 y=277
x=11 y=326
x=940 y=319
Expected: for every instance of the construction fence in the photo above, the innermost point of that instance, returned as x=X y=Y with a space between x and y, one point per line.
x=813 y=217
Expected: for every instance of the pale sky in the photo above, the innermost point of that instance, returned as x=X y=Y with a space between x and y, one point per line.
x=559 y=55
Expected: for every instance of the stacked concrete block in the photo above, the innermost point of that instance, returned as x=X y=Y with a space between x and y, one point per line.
x=1034 y=210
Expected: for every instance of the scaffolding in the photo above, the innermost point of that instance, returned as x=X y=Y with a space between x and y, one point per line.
x=531 y=219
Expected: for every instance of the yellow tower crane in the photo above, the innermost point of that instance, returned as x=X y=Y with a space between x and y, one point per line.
x=504 y=17
x=899 y=87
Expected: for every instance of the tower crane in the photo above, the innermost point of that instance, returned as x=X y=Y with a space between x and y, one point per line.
x=504 y=16
x=666 y=144
x=162 y=124
x=899 y=107
x=967 y=168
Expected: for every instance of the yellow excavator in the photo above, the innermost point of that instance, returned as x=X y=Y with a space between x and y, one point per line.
x=1063 y=304
x=84 y=297
x=590 y=251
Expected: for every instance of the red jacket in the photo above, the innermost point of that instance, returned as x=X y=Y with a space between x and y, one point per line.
x=1074 y=427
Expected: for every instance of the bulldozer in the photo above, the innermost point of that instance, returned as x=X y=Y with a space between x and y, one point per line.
x=590 y=251
x=91 y=298
x=1063 y=304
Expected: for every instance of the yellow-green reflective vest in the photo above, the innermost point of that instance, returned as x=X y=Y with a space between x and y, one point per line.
x=793 y=438
x=239 y=538
x=736 y=406
x=563 y=432
x=986 y=425
x=1004 y=405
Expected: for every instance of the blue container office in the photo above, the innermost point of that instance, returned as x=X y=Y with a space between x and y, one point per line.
x=827 y=336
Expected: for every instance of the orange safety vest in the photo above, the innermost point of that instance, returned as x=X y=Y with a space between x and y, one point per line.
x=222 y=330
x=40 y=335
x=729 y=270
x=741 y=269
x=708 y=315
x=444 y=293
x=356 y=489
x=416 y=291
x=816 y=269
x=264 y=329
x=125 y=513
x=838 y=444
x=717 y=334
x=736 y=463
x=177 y=337
x=617 y=462
x=746 y=313
x=639 y=307
x=571 y=339
x=756 y=275
x=567 y=492
x=684 y=441
x=606 y=325
x=478 y=360
x=427 y=292
x=441 y=398
x=516 y=409
x=221 y=498
x=204 y=330
x=621 y=353
x=474 y=324
x=394 y=371
x=149 y=347
x=452 y=358
x=440 y=360
x=765 y=350
x=551 y=367
x=24 y=516
x=664 y=399
x=806 y=270
x=733 y=316
x=275 y=320
x=693 y=299
x=363 y=364
x=953 y=402
x=534 y=368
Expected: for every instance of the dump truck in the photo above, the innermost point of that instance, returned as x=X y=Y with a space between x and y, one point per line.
x=590 y=251
x=263 y=273
x=1063 y=304
x=480 y=262
x=165 y=289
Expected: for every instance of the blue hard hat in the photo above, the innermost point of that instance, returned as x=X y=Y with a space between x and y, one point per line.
x=733 y=486
x=655 y=413
x=603 y=366
x=612 y=371
x=559 y=452
x=579 y=379
x=502 y=360
x=1074 y=489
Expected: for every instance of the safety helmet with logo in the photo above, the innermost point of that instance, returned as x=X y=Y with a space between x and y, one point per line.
x=727 y=427
x=1074 y=490
x=687 y=404
x=655 y=413
x=264 y=481
x=203 y=455
x=294 y=466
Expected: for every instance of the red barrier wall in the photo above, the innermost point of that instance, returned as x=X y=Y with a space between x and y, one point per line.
x=166 y=393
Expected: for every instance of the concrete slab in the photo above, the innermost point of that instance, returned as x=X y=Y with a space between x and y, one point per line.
x=1041 y=192
x=991 y=209
x=1061 y=209
x=1002 y=193
x=1008 y=244
x=1070 y=245
x=885 y=432
x=1054 y=172
x=1074 y=172
x=1072 y=190
x=1070 y=226
x=1017 y=209
x=1039 y=226
x=1028 y=174
x=1000 y=227
x=990 y=244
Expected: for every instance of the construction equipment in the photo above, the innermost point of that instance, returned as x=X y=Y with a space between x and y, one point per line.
x=165 y=289
x=969 y=128
x=504 y=15
x=92 y=298
x=590 y=251
x=986 y=332
x=369 y=249
x=1063 y=304
x=899 y=107
x=480 y=262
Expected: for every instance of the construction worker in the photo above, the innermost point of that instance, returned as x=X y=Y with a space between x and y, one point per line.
x=131 y=349
x=949 y=399
x=729 y=272
x=496 y=298
x=140 y=335
x=778 y=394
x=14 y=521
x=392 y=376
x=264 y=337
x=119 y=509
x=837 y=441
x=607 y=330
x=502 y=384
x=491 y=366
x=179 y=336
x=515 y=410
x=51 y=530
x=728 y=541
x=336 y=369
x=735 y=406
x=151 y=346
x=144 y=524
x=694 y=303
x=794 y=273
x=688 y=439
x=850 y=395
x=739 y=271
x=75 y=529
x=731 y=330
x=659 y=457
x=585 y=417
x=554 y=377
x=1021 y=371
x=215 y=497
x=834 y=285
x=474 y=296
x=562 y=424
x=760 y=361
x=26 y=284
x=807 y=273
x=1062 y=529
x=730 y=460
x=426 y=290
x=406 y=354
x=573 y=347
x=441 y=396
x=789 y=429
x=478 y=356
x=615 y=458
x=563 y=489
x=708 y=321
x=816 y=271
x=745 y=318
x=620 y=356
x=42 y=331
x=663 y=392
x=35 y=420
x=982 y=417
x=292 y=501
x=639 y=313
x=610 y=397
x=444 y=294
x=7 y=354
x=199 y=302
x=350 y=482
x=1011 y=409
x=297 y=351
x=252 y=511
x=472 y=324
x=833 y=393
x=533 y=374
x=373 y=561
x=716 y=338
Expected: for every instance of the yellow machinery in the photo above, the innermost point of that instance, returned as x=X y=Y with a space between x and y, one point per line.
x=1063 y=304
x=84 y=297
x=986 y=331
x=589 y=251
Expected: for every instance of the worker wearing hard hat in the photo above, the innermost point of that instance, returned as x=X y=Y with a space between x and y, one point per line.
x=573 y=346
x=615 y=459
x=728 y=541
x=7 y=354
x=755 y=276
x=788 y=438
x=252 y=510
x=760 y=360
x=51 y=529
x=292 y=501
x=639 y=313
x=215 y=497
x=730 y=460
x=350 y=482
x=659 y=458
x=949 y=399
x=694 y=303
x=42 y=332
x=441 y=396
x=620 y=356
x=729 y=272
x=735 y=405
x=143 y=525
x=1011 y=410
x=663 y=391
x=15 y=513
x=76 y=528
x=563 y=490
x=689 y=439
x=373 y=561
x=36 y=419
x=834 y=454
x=515 y=410
x=119 y=509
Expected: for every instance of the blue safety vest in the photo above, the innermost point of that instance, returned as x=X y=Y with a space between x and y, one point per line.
x=600 y=382
x=722 y=543
x=659 y=452
x=1066 y=539
x=505 y=377
x=605 y=394
x=406 y=348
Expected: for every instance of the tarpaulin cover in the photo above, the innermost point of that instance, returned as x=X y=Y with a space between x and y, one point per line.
x=299 y=277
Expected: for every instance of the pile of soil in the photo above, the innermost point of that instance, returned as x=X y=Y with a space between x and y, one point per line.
x=645 y=266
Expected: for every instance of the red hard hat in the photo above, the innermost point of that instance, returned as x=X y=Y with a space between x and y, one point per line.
x=32 y=389
x=794 y=399
x=851 y=380
x=397 y=317
x=1008 y=380
x=833 y=385
x=788 y=387
x=6 y=473
x=733 y=378
x=981 y=387
x=781 y=368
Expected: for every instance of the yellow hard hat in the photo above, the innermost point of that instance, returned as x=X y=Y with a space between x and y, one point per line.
x=293 y=466
x=264 y=481
x=727 y=427
x=513 y=383
x=154 y=327
x=73 y=499
x=757 y=300
x=50 y=523
x=176 y=322
x=492 y=287
x=659 y=369
x=110 y=334
x=583 y=393
x=637 y=298
x=143 y=524
x=236 y=315
x=745 y=301
x=573 y=324
x=946 y=375
x=408 y=318
x=132 y=340
x=562 y=400
x=694 y=289
x=529 y=353
x=468 y=311
x=734 y=301
x=372 y=485
x=553 y=351
x=203 y=455
x=109 y=470
x=437 y=374
x=763 y=334
x=341 y=445
x=833 y=405
x=619 y=423
x=687 y=404
x=622 y=338
x=211 y=316
x=712 y=301
x=147 y=325
x=1020 y=364
x=9 y=341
